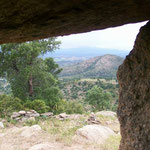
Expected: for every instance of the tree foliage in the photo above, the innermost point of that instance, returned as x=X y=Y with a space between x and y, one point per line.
x=30 y=76
x=99 y=99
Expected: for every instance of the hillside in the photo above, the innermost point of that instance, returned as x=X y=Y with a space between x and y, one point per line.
x=100 y=67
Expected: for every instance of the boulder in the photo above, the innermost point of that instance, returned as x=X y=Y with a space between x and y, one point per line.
x=107 y=114
x=94 y=133
x=42 y=147
x=30 y=131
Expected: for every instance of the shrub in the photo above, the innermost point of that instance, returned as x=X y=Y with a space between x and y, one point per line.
x=37 y=105
x=9 y=104
x=70 y=107
x=98 y=98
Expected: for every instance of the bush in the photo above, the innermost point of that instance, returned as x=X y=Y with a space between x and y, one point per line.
x=99 y=99
x=70 y=107
x=9 y=104
x=37 y=105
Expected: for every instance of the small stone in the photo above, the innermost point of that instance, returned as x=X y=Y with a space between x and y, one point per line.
x=48 y=114
x=22 y=112
x=15 y=115
x=35 y=115
x=33 y=111
x=63 y=115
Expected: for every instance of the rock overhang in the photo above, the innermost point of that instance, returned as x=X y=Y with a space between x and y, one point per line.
x=23 y=20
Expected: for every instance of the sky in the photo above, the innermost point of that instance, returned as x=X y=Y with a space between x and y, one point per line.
x=121 y=38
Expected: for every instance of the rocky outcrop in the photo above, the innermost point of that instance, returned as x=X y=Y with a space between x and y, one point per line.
x=35 y=19
x=25 y=115
x=93 y=133
x=134 y=100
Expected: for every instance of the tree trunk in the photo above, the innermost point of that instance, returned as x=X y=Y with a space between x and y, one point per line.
x=30 y=84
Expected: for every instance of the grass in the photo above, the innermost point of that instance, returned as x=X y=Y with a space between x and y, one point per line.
x=62 y=130
x=103 y=118
x=112 y=143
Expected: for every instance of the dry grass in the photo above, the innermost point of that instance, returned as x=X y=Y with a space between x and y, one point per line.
x=112 y=143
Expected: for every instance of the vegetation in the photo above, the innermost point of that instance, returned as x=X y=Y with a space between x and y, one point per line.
x=78 y=89
x=32 y=82
x=98 y=67
x=37 y=105
x=4 y=87
x=28 y=74
x=9 y=104
x=70 y=107
x=99 y=99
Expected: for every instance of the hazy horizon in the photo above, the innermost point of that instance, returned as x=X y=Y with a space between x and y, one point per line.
x=121 y=38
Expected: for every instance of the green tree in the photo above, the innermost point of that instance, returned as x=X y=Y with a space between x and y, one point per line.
x=30 y=76
x=99 y=99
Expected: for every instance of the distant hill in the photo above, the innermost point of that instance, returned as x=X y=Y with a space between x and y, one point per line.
x=83 y=53
x=101 y=67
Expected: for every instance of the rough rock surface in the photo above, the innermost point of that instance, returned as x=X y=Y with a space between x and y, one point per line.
x=30 y=131
x=106 y=114
x=34 y=19
x=94 y=133
x=134 y=100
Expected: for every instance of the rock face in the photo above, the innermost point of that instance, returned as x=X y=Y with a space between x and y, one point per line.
x=29 y=20
x=134 y=100
x=94 y=133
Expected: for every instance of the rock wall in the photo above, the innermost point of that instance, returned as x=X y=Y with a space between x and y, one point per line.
x=134 y=101
x=23 y=20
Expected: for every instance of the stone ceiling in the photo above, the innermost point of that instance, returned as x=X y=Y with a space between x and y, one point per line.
x=23 y=20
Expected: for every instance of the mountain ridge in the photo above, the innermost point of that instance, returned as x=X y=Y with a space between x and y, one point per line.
x=100 y=67
x=87 y=52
